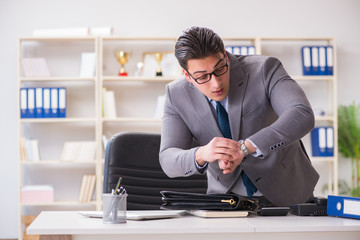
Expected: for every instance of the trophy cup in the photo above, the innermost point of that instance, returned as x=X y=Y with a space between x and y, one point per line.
x=158 y=58
x=122 y=57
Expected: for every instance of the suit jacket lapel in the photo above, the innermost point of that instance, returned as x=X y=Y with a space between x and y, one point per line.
x=238 y=83
x=202 y=109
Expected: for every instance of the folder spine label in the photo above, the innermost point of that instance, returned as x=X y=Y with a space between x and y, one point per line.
x=341 y=206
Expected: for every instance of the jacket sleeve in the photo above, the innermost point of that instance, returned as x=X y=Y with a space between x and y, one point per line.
x=177 y=156
x=288 y=100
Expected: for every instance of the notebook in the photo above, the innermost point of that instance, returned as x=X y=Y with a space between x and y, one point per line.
x=218 y=214
x=140 y=215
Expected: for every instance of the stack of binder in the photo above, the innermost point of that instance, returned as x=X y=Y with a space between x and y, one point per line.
x=241 y=50
x=322 y=141
x=43 y=102
x=317 y=60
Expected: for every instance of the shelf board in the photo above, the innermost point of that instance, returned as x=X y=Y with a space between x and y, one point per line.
x=239 y=38
x=60 y=203
x=54 y=162
x=132 y=119
x=115 y=38
x=56 y=79
x=141 y=79
x=324 y=118
x=56 y=120
x=84 y=38
x=296 y=39
x=314 y=78
x=322 y=159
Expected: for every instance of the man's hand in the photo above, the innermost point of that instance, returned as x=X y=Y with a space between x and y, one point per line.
x=225 y=151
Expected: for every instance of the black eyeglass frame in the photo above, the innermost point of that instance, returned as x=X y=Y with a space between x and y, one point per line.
x=212 y=73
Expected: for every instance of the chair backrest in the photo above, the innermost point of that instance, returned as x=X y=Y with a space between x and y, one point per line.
x=135 y=157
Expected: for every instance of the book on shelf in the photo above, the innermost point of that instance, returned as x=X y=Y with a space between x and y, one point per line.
x=78 y=151
x=29 y=150
x=87 y=187
x=35 y=67
x=82 y=188
x=108 y=103
x=104 y=142
x=87 y=65
x=159 y=110
x=22 y=150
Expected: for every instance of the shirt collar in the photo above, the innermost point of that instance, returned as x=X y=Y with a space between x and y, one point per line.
x=224 y=102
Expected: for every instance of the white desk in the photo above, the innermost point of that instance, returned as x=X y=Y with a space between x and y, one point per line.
x=72 y=225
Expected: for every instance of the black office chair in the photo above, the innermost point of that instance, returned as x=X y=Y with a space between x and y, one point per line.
x=135 y=157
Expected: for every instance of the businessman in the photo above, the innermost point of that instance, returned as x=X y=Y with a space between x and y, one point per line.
x=247 y=116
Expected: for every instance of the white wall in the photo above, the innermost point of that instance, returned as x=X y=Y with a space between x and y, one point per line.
x=335 y=18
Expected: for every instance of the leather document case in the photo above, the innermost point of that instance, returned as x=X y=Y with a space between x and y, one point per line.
x=195 y=201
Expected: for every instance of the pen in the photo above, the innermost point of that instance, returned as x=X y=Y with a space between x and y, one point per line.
x=118 y=185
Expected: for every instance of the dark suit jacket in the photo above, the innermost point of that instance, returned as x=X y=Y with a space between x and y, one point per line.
x=265 y=105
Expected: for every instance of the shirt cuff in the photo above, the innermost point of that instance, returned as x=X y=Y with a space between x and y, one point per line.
x=258 y=152
x=201 y=169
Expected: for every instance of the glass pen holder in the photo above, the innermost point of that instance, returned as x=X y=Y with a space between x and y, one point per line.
x=114 y=208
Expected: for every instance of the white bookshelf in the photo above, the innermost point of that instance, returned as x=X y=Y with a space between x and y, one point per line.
x=63 y=57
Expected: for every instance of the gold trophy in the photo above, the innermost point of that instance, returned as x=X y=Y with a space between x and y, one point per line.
x=122 y=57
x=158 y=58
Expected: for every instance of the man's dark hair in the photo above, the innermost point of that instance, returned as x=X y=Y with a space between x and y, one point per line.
x=197 y=43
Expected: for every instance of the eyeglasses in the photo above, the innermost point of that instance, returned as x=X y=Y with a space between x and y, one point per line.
x=207 y=77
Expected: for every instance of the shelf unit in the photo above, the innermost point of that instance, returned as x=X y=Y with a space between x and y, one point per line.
x=63 y=56
x=136 y=100
x=87 y=93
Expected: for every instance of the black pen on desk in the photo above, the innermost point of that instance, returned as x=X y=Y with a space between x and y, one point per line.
x=118 y=185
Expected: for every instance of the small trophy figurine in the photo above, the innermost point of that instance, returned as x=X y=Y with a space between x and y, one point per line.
x=122 y=57
x=158 y=58
x=139 y=69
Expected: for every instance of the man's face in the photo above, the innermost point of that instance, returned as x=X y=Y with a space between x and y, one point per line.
x=217 y=88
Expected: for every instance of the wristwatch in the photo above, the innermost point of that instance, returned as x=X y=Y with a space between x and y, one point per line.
x=244 y=148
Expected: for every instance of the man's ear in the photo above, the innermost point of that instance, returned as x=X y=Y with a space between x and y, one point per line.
x=227 y=57
x=187 y=76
